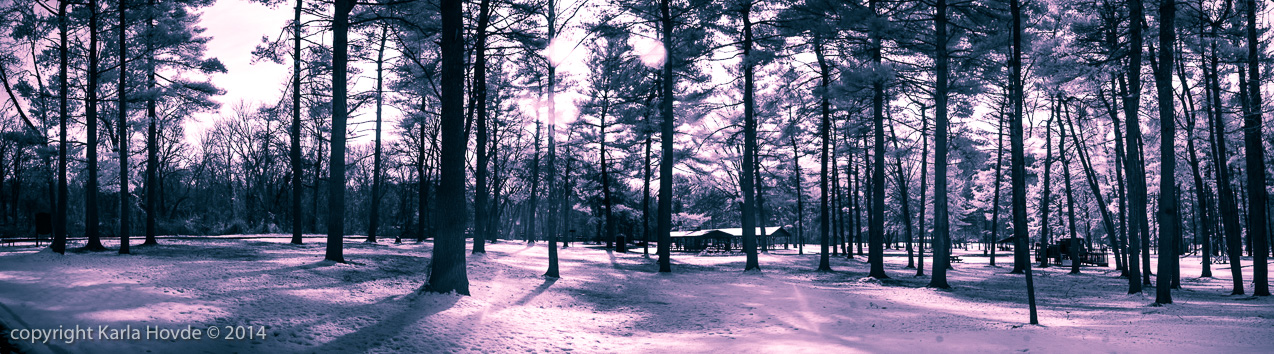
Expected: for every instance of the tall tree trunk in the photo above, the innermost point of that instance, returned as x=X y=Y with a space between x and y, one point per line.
x=1255 y=157
x=551 y=163
x=1202 y=219
x=645 y=198
x=340 y=111
x=152 y=143
x=1202 y=208
x=608 y=215
x=481 y=211
x=59 y=222
x=122 y=125
x=447 y=269
x=1023 y=255
x=1133 y=162
x=995 y=203
x=837 y=238
x=1018 y=166
x=294 y=152
x=1070 y=194
x=825 y=218
x=1167 y=153
x=941 y=221
x=876 y=253
x=91 y=221
x=760 y=196
x=800 y=192
x=852 y=186
x=532 y=233
x=551 y=176
x=666 y=142
x=924 y=186
x=865 y=184
x=373 y=221
x=1225 y=194
x=749 y=146
x=1090 y=176
x=904 y=198
x=1120 y=191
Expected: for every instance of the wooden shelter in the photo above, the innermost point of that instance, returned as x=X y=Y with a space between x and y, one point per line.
x=725 y=240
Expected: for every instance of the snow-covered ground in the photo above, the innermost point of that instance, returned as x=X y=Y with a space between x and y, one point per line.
x=605 y=302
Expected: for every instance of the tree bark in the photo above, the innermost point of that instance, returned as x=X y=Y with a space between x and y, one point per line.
x=825 y=218
x=749 y=145
x=152 y=138
x=1133 y=163
x=340 y=112
x=941 y=222
x=481 y=209
x=1225 y=194
x=905 y=199
x=294 y=152
x=447 y=269
x=122 y=125
x=876 y=252
x=924 y=185
x=666 y=142
x=1090 y=176
x=91 y=215
x=1255 y=157
x=1018 y=167
x=1070 y=194
x=800 y=192
x=373 y=221
x=59 y=222
x=995 y=203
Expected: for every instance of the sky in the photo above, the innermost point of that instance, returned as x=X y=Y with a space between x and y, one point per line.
x=235 y=28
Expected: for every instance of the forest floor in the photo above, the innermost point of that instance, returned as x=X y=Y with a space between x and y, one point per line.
x=604 y=302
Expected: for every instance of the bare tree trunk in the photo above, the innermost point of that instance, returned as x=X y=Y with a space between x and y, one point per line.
x=800 y=193
x=876 y=253
x=1018 y=167
x=1070 y=194
x=481 y=211
x=374 y=214
x=59 y=222
x=447 y=269
x=532 y=233
x=746 y=181
x=666 y=142
x=122 y=125
x=340 y=111
x=1225 y=194
x=904 y=198
x=825 y=218
x=837 y=238
x=1133 y=162
x=91 y=221
x=645 y=199
x=995 y=203
x=294 y=152
x=941 y=222
x=608 y=215
x=1090 y=176
x=1255 y=157
x=924 y=185
x=152 y=143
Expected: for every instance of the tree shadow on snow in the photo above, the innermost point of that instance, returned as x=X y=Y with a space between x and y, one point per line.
x=416 y=307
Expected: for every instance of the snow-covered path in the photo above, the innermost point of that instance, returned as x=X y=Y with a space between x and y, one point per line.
x=605 y=302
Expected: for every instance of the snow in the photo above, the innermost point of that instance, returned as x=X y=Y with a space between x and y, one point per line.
x=605 y=302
